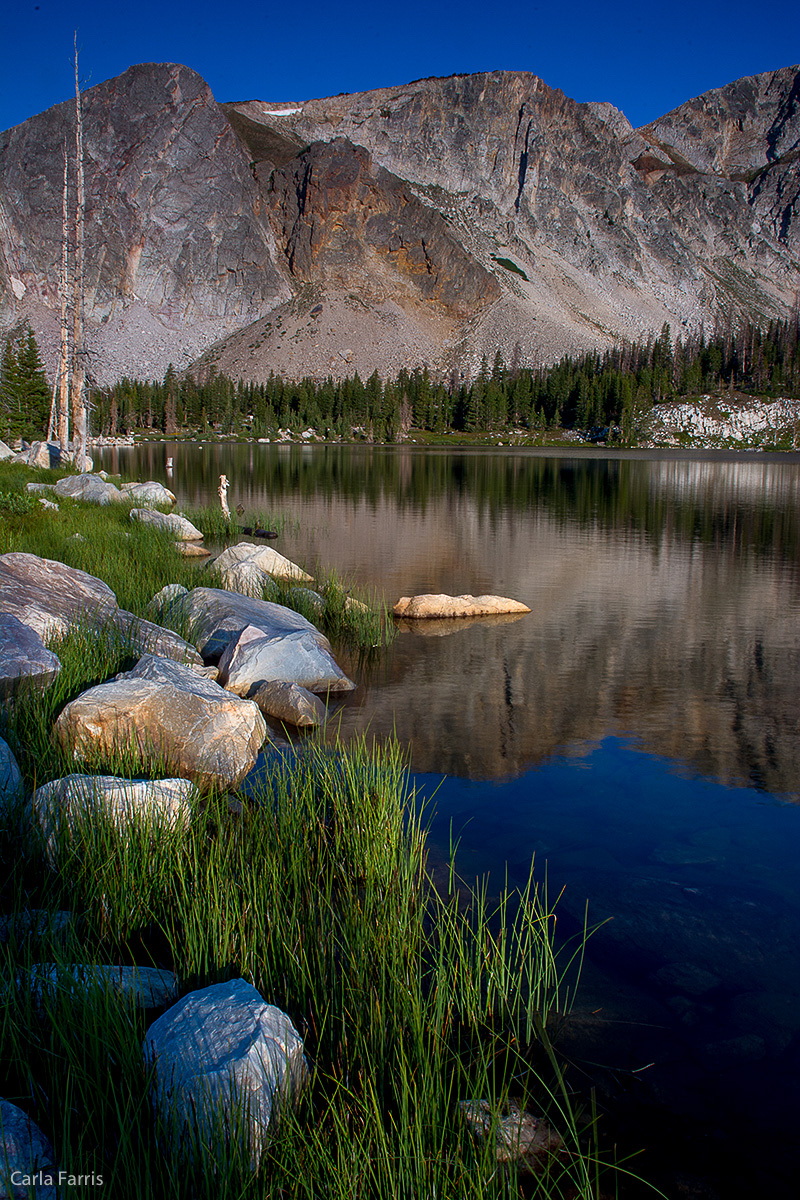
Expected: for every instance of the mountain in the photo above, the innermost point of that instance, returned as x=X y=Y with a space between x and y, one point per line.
x=433 y=222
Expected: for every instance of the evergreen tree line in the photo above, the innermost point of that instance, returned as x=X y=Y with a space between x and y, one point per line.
x=24 y=392
x=602 y=394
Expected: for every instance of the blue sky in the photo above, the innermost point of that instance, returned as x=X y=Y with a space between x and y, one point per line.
x=645 y=59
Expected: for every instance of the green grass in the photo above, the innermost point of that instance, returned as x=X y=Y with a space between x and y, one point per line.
x=314 y=887
x=409 y=1001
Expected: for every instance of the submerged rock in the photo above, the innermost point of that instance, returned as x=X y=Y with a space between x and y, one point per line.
x=170 y=714
x=255 y=658
x=223 y=1052
x=432 y=606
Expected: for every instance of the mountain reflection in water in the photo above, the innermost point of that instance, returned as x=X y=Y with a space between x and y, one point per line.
x=638 y=730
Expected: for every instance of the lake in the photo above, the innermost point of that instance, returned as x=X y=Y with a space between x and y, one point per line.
x=638 y=732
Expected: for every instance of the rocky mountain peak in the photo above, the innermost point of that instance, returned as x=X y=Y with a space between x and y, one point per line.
x=457 y=216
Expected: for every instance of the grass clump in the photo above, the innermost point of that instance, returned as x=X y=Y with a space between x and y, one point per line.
x=412 y=1001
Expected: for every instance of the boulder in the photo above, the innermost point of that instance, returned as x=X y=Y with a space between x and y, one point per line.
x=255 y=658
x=518 y=1135
x=430 y=606
x=10 y=779
x=179 y=718
x=192 y=550
x=147 y=638
x=66 y=802
x=149 y=494
x=290 y=703
x=39 y=488
x=35 y=923
x=89 y=488
x=5 y=451
x=23 y=655
x=48 y=596
x=145 y=987
x=222 y=1052
x=217 y=617
x=163 y=601
x=40 y=454
x=177 y=527
x=25 y=1154
x=264 y=557
x=249 y=580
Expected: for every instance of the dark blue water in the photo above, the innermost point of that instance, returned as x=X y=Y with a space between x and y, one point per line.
x=638 y=732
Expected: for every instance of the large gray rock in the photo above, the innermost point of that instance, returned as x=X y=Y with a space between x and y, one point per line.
x=255 y=658
x=290 y=703
x=249 y=580
x=164 y=601
x=263 y=557
x=217 y=617
x=10 y=778
x=223 y=1050
x=40 y=454
x=144 y=987
x=5 y=451
x=26 y=1157
x=177 y=527
x=89 y=488
x=66 y=803
x=172 y=715
x=148 y=494
x=50 y=597
x=148 y=638
x=23 y=655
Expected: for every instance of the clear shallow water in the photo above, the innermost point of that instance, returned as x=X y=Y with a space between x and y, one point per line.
x=638 y=732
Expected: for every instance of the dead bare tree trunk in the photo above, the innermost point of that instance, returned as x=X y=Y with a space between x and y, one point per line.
x=64 y=294
x=78 y=346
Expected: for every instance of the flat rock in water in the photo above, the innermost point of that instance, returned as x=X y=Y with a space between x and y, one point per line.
x=436 y=606
x=23 y=655
x=50 y=597
x=10 y=778
x=148 y=494
x=68 y=801
x=177 y=527
x=290 y=703
x=174 y=716
x=217 y=617
x=262 y=556
x=222 y=1049
x=255 y=658
x=146 y=987
x=25 y=1150
x=90 y=488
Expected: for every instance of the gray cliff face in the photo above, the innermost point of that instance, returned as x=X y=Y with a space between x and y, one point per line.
x=176 y=234
x=462 y=215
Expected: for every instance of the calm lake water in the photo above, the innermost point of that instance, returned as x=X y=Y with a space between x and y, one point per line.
x=638 y=732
